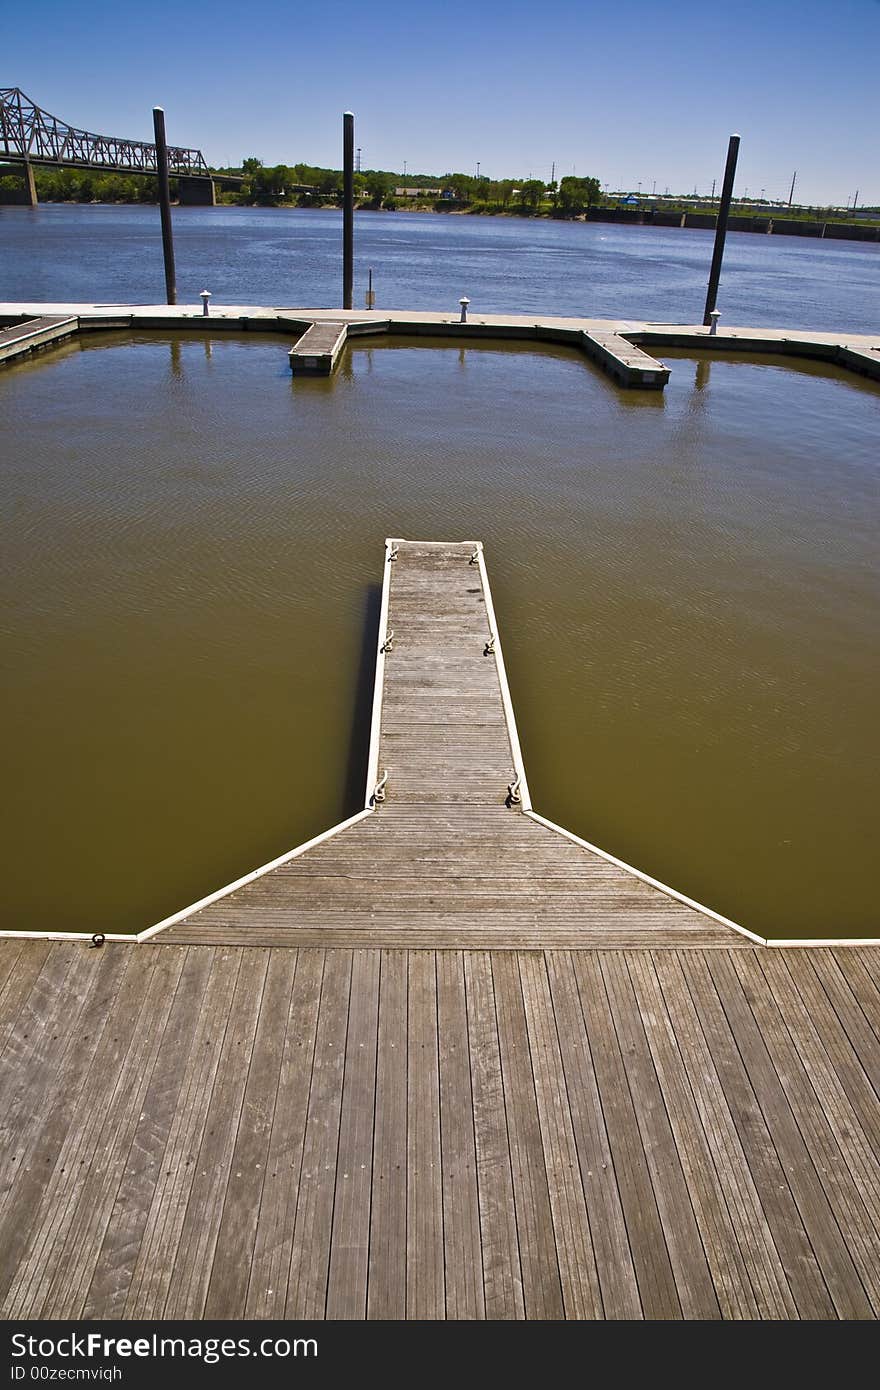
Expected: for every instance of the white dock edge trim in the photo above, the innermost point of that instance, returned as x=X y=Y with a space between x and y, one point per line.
x=835 y=941
x=506 y=701
x=646 y=878
x=248 y=878
x=379 y=681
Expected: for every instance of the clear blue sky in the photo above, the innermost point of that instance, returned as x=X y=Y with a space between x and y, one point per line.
x=639 y=91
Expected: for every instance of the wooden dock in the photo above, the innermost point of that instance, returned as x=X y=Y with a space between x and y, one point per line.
x=447 y=1061
x=227 y=1132
x=447 y=858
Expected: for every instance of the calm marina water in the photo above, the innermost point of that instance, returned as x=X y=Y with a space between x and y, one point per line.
x=191 y=541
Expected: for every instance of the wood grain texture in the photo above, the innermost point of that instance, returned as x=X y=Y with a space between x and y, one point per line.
x=439 y=1134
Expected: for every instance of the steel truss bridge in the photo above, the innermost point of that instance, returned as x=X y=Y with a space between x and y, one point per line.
x=30 y=136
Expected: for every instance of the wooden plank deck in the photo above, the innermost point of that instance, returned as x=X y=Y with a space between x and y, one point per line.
x=444 y=860
x=221 y=1131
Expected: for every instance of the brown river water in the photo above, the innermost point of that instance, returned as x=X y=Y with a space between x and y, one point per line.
x=685 y=585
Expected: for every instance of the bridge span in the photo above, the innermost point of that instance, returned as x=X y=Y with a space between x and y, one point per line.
x=31 y=138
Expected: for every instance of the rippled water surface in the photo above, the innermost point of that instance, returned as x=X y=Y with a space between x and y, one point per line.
x=685 y=583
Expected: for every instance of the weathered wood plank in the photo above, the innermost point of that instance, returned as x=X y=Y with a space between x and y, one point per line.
x=270 y=1267
x=687 y=1256
x=425 y=1290
x=657 y=1285
x=350 y=1239
x=234 y=1250
x=834 y=1259
x=542 y=1288
x=157 y=1256
x=617 y=1276
x=861 y=1156
x=729 y=1270
x=386 y=1289
x=817 y=1125
x=735 y=1180
x=499 y=1241
x=771 y=1177
x=310 y=1259
x=191 y=1275
x=80 y=1193
x=32 y=1140
x=461 y=1202
x=111 y=1280
x=571 y=1226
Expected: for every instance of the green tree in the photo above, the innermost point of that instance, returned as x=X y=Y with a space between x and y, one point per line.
x=575 y=195
x=378 y=187
x=531 y=193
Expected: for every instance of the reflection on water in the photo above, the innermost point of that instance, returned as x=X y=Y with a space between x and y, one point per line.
x=191 y=544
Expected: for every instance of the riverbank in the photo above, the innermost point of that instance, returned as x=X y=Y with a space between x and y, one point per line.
x=762 y=223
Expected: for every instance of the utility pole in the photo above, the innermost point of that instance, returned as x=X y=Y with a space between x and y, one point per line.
x=165 y=204
x=791 y=190
x=347 y=210
x=721 y=227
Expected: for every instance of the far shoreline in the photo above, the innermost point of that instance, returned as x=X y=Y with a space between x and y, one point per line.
x=866 y=233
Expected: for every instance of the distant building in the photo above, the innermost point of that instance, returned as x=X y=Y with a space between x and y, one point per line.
x=418 y=192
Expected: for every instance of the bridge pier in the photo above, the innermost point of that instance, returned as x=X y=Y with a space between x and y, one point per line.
x=27 y=194
x=196 y=193
x=30 y=186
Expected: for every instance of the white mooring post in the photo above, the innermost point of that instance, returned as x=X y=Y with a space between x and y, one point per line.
x=714 y=315
x=205 y=295
x=464 y=302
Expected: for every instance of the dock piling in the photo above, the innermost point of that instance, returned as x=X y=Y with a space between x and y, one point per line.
x=347 y=210
x=165 y=204
x=721 y=228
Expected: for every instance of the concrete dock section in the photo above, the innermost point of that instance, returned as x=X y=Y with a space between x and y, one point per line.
x=20 y=339
x=621 y=348
x=318 y=350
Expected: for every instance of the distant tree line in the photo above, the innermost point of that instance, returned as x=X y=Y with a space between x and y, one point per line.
x=84 y=186
x=277 y=184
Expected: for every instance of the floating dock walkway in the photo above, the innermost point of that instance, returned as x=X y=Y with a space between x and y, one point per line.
x=447 y=851
x=621 y=348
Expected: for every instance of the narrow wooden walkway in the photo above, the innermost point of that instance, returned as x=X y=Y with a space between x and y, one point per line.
x=221 y=1132
x=444 y=861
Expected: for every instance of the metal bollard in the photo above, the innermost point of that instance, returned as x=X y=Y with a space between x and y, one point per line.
x=714 y=315
x=464 y=302
x=205 y=295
